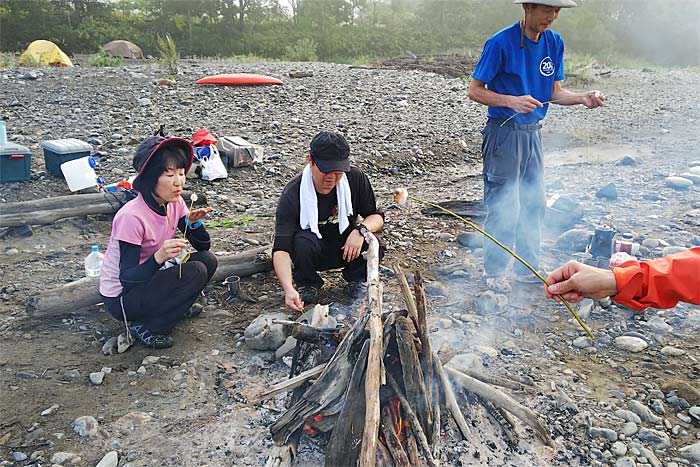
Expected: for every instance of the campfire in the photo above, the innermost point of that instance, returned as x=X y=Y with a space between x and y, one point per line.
x=383 y=396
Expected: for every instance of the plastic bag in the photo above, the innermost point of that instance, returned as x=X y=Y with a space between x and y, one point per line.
x=213 y=167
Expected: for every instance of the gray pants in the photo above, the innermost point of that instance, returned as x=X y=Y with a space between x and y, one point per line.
x=513 y=193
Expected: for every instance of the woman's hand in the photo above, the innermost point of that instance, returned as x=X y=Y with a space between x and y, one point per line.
x=170 y=249
x=198 y=214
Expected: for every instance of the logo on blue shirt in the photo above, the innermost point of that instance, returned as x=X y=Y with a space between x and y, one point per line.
x=547 y=66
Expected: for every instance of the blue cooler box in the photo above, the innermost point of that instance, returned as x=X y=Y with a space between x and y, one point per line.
x=58 y=151
x=15 y=163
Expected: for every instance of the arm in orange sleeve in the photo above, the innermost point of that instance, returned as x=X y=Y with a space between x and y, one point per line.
x=660 y=283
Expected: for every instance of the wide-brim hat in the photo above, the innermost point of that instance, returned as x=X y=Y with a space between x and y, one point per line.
x=554 y=3
x=152 y=144
x=330 y=152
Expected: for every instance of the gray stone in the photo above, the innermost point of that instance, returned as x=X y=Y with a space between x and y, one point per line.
x=123 y=343
x=71 y=375
x=85 y=426
x=574 y=240
x=110 y=346
x=672 y=250
x=150 y=360
x=608 y=192
x=470 y=240
x=61 y=457
x=651 y=243
x=19 y=456
x=628 y=416
x=679 y=183
x=435 y=289
x=658 y=407
x=658 y=439
x=694 y=412
x=658 y=326
x=111 y=459
x=467 y=361
x=263 y=334
x=605 y=433
x=144 y=101
x=630 y=344
x=643 y=411
x=490 y=301
x=629 y=428
x=628 y=160
x=691 y=452
x=582 y=342
x=618 y=448
x=625 y=462
x=672 y=351
x=97 y=378
x=695 y=178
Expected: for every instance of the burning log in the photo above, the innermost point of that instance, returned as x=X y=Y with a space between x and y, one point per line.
x=85 y=292
x=416 y=392
x=49 y=210
x=392 y=433
x=344 y=445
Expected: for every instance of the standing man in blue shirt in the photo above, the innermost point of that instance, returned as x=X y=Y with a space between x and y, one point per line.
x=519 y=73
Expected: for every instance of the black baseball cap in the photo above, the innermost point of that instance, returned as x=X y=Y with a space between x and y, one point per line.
x=152 y=144
x=330 y=152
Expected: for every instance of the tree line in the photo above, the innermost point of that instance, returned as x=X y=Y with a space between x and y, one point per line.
x=649 y=31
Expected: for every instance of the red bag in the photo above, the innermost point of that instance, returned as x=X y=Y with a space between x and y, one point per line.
x=202 y=137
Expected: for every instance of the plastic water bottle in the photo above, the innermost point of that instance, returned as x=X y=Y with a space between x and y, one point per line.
x=93 y=263
x=3 y=133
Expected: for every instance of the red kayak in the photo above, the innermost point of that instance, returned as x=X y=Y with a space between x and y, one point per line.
x=239 y=79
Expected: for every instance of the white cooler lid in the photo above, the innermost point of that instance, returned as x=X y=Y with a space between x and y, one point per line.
x=66 y=146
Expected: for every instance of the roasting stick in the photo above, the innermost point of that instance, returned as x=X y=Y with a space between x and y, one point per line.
x=402 y=194
x=597 y=94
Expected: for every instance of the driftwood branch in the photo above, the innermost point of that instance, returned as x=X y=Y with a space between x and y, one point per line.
x=49 y=210
x=289 y=384
x=85 y=292
x=392 y=441
x=406 y=293
x=451 y=399
x=501 y=400
x=374 y=373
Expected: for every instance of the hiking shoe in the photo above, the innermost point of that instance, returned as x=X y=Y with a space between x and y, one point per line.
x=357 y=289
x=150 y=339
x=194 y=311
x=498 y=284
x=529 y=278
x=308 y=294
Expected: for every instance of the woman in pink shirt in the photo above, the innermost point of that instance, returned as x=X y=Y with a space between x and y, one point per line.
x=140 y=280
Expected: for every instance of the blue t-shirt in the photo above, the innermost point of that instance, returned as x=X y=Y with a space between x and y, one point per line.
x=508 y=69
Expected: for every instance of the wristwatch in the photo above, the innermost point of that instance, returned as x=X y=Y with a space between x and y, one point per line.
x=362 y=228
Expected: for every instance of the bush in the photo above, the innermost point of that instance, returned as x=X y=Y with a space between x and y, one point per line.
x=8 y=60
x=304 y=50
x=169 y=56
x=105 y=59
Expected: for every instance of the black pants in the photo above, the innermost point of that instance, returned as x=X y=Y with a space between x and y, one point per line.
x=312 y=254
x=162 y=302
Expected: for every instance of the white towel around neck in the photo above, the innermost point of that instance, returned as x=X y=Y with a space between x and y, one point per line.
x=308 y=215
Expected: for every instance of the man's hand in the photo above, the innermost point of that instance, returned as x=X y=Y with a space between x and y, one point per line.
x=198 y=214
x=524 y=104
x=293 y=301
x=593 y=99
x=170 y=249
x=575 y=280
x=353 y=246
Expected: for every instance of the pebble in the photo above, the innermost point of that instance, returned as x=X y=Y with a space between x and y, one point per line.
x=679 y=183
x=605 y=433
x=110 y=346
x=658 y=439
x=60 y=457
x=691 y=452
x=123 y=343
x=19 y=456
x=625 y=462
x=85 y=426
x=150 y=360
x=608 y=192
x=651 y=243
x=643 y=411
x=672 y=250
x=97 y=378
x=111 y=459
x=658 y=407
x=582 y=342
x=629 y=428
x=50 y=410
x=263 y=334
x=695 y=413
x=631 y=344
x=628 y=416
x=618 y=448
x=695 y=178
x=672 y=351
x=71 y=375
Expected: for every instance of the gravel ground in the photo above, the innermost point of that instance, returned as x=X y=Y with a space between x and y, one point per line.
x=604 y=402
